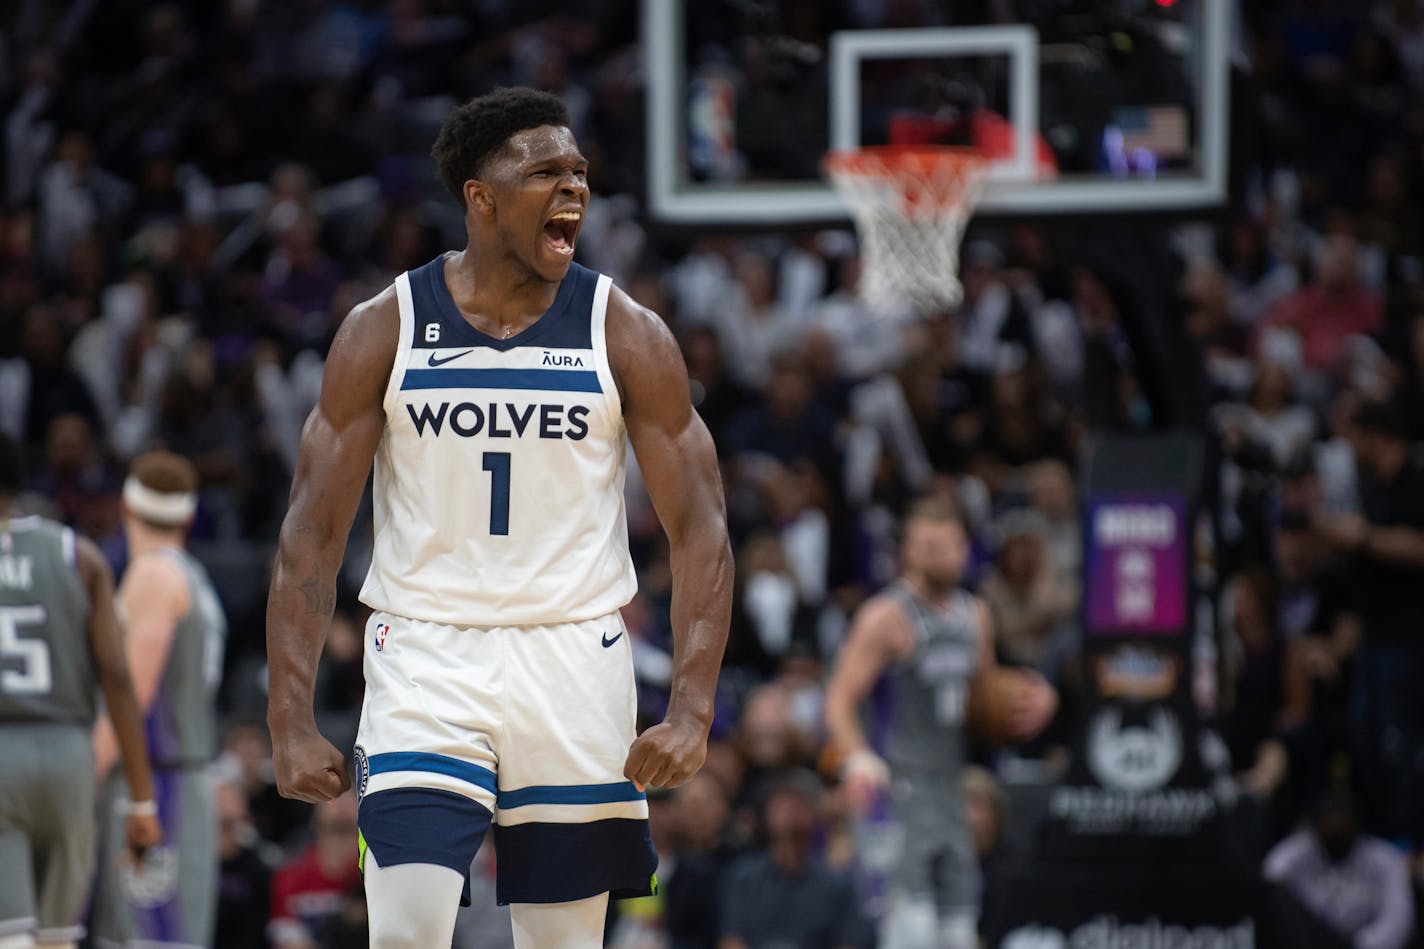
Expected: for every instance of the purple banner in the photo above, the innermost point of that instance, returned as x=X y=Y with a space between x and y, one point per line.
x=1135 y=563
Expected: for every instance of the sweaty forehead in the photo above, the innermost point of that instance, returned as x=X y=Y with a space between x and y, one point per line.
x=541 y=144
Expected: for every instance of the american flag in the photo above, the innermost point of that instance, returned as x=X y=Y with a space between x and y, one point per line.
x=1160 y=129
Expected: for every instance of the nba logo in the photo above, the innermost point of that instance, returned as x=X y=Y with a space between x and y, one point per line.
x=381 y=630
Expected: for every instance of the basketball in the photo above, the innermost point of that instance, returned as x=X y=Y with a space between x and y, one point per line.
x=992 y=697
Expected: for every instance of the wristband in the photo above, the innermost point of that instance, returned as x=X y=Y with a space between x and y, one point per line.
x=866 y=763
x=147 y=808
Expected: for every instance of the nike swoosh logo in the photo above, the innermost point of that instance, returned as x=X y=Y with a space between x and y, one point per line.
x=608 y=642
x=432 y=361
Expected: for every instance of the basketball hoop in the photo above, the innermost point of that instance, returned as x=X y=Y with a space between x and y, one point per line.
x=910 y=204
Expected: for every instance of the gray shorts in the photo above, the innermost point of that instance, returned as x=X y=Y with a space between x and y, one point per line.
x=938 y=858
x=173 y=901
x=46 y=829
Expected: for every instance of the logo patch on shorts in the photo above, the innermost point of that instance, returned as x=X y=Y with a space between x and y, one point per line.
x=363 y=770
x=609 y=642
x=382 y=630
x=156 y=882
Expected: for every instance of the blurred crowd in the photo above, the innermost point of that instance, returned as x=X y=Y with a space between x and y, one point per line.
x=195 y=193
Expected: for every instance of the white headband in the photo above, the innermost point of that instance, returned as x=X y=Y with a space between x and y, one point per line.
x=170 y=510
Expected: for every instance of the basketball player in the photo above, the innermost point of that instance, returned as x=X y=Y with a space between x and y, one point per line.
x=58 y=636
x=496 y=388
x=920 y=644
x=174 y=632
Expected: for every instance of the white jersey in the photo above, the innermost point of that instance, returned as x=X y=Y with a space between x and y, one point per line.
x=499 y=477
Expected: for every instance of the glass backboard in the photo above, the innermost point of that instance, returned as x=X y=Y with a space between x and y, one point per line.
x=1085 y=105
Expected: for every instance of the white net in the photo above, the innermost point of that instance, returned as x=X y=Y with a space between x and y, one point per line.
x=910 y=205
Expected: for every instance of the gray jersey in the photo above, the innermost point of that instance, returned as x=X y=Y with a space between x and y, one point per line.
x=923 y=699
x=47 y=671
x=921 y=703
x=181 y=721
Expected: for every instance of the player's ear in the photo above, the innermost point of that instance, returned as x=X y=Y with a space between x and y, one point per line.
x=478 y=196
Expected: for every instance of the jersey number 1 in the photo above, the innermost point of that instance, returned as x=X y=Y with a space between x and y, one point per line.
x=34 y=676
x=497 y=464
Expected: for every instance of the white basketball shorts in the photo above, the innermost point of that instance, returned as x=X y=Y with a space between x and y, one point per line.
x=527 y=726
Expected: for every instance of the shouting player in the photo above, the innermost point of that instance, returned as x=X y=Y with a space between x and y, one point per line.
x=496 y=389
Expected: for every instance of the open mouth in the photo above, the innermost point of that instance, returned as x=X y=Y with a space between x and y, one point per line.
x=560 y=231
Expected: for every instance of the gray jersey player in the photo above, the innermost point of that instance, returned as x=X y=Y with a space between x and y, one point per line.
x=59 y=646
x=174 y=636
x=923 y=642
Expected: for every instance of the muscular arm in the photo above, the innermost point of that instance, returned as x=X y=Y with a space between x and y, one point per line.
x=338 y=444
x=679 y=465
x=879 y=636
x=114 y=681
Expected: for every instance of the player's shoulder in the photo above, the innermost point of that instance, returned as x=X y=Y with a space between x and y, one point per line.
x=883 y=619
x=364 y=348
x=628 y=321
x=642 y=350
x=887 y=606
x=373 y=320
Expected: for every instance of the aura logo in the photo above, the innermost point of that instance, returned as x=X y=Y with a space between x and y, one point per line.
x=382 y=631
x=561 y=359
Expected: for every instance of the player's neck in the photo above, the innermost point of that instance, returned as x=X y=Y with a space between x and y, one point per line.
x=933 y=592
x=491 y=288
x=143 y=539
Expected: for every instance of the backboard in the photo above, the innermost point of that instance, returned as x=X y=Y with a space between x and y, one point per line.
x=1088 y=106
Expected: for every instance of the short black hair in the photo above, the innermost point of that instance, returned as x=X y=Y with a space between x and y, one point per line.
x=1380 y=417
x=475 y=131
x=11 y=466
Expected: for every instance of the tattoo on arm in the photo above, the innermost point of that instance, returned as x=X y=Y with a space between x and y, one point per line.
x=320 y=602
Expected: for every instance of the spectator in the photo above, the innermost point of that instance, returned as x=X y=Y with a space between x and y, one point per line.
x=717 y=396
x=1355 y=885
x=1268 y=697
x=244 y=880
x=47 y=387
x=768 y=613
x=1258 y=276
x=310 y=892
x=986 y=807
x=1054 y=497
x=1386 y=544
x=784 y=895
x=1021 y=426
x=1030 y=604
x=751 y=324
x=692 y=889
x=1332 y=307
x=1273 y=417
x=1322 y=629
